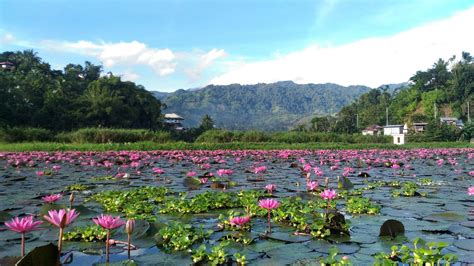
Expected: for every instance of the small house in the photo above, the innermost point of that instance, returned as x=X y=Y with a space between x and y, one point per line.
x=419 y=127
x=452 y=121
x=372 y=130
x=398 y=132
x=174 y=121
x=7 y=65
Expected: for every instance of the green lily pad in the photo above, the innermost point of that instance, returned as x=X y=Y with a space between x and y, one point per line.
x=44 y=255
x=445 y=216
x=288 y=238
x=323 y=246
x=466 y=244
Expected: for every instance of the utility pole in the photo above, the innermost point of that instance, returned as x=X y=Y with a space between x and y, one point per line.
x=357 y=121
x=386 y=116
x=435 y=111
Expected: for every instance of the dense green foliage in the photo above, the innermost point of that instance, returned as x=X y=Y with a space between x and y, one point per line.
x=107 y=135
x=225 y=136
x=445 y=89
x=148 y=146
x=275 y=106
x=34 y=95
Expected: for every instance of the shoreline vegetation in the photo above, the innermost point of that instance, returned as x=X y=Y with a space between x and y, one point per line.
x=105 y=139
x=149 y=146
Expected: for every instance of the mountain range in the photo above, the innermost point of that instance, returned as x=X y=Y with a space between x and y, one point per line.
x=270 y=107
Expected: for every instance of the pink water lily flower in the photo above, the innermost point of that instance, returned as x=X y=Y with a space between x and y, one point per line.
x=108 y=222
x=23 y=225
x=203 y=180
x=470 y=191
x=269 y=204
x=55 y=217
x=157 y=170
x=312 y=185
x=328 y=194
x=191 y=174
x=239 y=221
x=270 y=188
x=61 y=219
x=51 y=198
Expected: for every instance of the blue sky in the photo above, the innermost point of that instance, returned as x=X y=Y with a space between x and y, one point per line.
x=167 y=45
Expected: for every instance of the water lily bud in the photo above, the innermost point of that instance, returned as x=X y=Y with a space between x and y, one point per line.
x=63 y=222
x=129 y=226
x=71 y=197
x=327 y=182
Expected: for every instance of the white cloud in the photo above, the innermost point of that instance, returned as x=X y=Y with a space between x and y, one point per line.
x=211 y=56
x=7 y=38
x=121 y=53
x=130 y=76
x=372 y=61
x=200 y=61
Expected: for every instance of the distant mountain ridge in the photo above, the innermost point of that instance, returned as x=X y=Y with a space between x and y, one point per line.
x=274 y=106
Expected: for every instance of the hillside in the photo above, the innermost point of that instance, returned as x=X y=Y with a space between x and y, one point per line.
x=275 y=106
x=445 y=89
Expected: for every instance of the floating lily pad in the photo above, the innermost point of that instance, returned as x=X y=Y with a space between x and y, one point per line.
x=288 y=238
x=445 y=216
x=41 y=256
x=466 y=244
x=5 y=216
x=323 y=246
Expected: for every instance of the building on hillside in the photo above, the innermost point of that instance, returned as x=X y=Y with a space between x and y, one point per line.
x=398 y=132
x=419 y=127
x=174 y=121
x=372 y=130
x=452 y=121
x=7 y=65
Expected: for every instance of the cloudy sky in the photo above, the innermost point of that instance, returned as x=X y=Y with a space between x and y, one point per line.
x=174 y=44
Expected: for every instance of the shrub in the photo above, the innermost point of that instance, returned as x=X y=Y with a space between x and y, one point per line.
x=108 y=135
x=216 y=136
x=254 y=136
x=23 y=134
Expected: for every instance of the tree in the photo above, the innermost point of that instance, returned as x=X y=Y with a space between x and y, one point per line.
x=206 y=123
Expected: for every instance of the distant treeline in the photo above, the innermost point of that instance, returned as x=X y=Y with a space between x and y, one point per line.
x=35 y=95
x=108 y=135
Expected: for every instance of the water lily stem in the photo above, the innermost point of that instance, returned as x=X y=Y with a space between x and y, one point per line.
x=269 y=223
x=107 y=245
x=22 y=244
x=60 y=241
x=129 y=239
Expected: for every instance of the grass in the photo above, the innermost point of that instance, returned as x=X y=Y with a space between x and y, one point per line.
x=146 y=146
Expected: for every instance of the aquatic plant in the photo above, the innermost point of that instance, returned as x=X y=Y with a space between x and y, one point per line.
x=269 y=205
x=108 y=223
x=61 y=219
x=422 y=253
x=52 y=198
x=23 y=225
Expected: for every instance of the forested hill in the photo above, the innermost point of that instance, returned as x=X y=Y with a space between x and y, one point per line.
x=35 y=95
x=445 y=89
x=275 y=106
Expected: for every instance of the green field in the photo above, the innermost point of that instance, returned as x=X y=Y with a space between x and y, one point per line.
x=146 y=146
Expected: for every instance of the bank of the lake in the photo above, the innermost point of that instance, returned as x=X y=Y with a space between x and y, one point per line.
x=147 y=146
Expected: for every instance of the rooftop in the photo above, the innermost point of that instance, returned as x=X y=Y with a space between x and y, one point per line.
x=173 y=116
